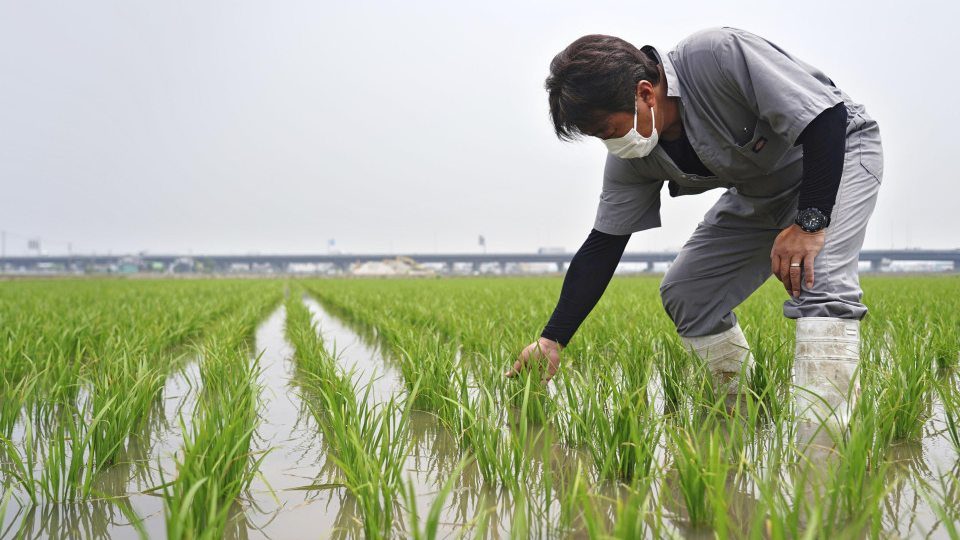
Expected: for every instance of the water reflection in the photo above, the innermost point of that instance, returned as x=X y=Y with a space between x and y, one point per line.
x=94 y=519
x=359 y=351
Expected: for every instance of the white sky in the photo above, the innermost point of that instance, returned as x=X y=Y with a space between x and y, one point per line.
x=272 y=127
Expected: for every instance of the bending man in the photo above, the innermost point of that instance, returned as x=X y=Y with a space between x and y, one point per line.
x=801 y=163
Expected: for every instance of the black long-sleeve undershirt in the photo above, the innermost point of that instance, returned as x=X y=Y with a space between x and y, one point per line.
x=824 y=145
x=595 y=262
x=588 y=276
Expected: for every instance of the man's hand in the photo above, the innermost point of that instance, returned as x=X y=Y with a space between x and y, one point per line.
x=535 y=355
x=792 y=248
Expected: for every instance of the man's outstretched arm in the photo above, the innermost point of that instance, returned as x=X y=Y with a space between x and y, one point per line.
x=587 y=278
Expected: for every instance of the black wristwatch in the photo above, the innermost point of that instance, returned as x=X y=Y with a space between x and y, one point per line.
x=812 y=220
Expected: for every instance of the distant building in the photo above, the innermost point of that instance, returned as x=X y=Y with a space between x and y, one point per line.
x=127 y=268
x=401 y=266
x=128 y=265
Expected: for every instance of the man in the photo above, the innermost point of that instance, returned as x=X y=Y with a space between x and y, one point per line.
x=801 y=163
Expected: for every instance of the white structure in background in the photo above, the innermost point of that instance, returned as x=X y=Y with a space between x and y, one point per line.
x=401 y=266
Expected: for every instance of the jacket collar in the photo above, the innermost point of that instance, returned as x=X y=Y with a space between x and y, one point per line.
x=673 y=84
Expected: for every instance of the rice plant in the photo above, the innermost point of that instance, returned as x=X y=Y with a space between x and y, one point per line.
x=700 y=460
x=621 y=430
x=949 y=391
x=370 y=443
x=607 y=449
x=217 y=463
x=431 y=527
x=903 y=380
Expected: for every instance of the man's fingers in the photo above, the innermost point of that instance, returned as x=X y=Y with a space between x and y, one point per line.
x=808 y=269
x=518 y=365
x=551 y=368
x=795 y=276
x=775 y=262
x=533 y=357
x=784 y=274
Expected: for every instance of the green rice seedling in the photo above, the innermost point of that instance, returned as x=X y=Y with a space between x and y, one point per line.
x=904 y=382
x=59 y=380
x=429 y=360
x=546 y=489
x=432 y=525
x=515 y=463
x=947 y=514
x=949 y=391
x=690 y=394
x=766 y=446
x=369 y=446
x=63 y=326
x=623 y=432
x=217 y=466
x=68 y=471
x=944 y=329
x=545 y=460
x=91 y=368
x=75 y=346
x=480 y=434
x=529 y=392
x=577 y=505
x=635 y=355
x=771 y=377
x=520 y=523
x=125 y=393
x=310 y=354
x=485 y=370
x=217 y=463
x=499 y=455
x=847 y=489
x=4 y=504
x=631 y=516
x=674 y=369
x=13 y=397
x=781 y=511
x=502 y=457
x=576 y=390
x=464 y=409
x=178 y=513
x=22 y=466
x=700 y=462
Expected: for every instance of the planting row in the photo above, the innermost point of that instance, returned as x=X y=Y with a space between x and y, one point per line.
x=83 y=377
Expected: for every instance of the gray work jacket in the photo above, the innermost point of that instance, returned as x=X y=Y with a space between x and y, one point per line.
x=743 y=104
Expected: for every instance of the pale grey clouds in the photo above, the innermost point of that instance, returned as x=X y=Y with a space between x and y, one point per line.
x=275 y=126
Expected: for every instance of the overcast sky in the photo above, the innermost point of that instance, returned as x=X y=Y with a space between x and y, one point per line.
x=274 y=127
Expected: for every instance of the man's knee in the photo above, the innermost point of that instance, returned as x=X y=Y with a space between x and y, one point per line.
x=677 y=303
x=695 y=312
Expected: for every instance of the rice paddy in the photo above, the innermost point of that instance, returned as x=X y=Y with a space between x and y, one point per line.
x=378 y=409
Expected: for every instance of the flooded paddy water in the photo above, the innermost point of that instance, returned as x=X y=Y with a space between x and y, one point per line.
x=280 y=503
x=299 y=490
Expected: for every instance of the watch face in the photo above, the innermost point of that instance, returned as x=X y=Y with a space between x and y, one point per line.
x=811 y=220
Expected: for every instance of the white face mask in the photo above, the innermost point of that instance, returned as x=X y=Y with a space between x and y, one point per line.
x=633 y=144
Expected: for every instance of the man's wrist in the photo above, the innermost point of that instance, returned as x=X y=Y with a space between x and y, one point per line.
x=812 y=220
x=546 y=342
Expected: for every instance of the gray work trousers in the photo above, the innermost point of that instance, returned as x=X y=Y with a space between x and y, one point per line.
x=728 y=256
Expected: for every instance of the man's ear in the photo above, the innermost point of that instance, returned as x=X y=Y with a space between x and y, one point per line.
x=646 y=92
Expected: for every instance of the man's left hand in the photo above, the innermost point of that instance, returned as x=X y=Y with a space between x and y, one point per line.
x=792 y=248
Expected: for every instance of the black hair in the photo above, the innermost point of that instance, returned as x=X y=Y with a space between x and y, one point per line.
x=594 y=76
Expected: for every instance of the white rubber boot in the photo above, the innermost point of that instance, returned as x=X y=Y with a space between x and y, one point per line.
x=725 y=354
x=828 y=351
